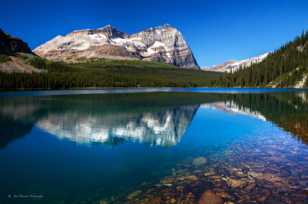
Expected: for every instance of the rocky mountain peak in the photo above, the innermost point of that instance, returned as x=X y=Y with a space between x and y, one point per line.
x=108 y=27
x=167 y=44
x=110 y=31
x=160 y=27
x=162 y=43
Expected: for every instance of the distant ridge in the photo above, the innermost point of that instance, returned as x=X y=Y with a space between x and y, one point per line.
x=233 y=65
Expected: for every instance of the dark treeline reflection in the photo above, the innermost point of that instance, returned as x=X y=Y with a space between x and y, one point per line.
x=152 y=118
x=287 y=110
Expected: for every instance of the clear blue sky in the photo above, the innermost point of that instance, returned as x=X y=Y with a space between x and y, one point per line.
x=216 y=30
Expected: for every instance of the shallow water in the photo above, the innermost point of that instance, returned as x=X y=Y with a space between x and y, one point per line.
x=163 y=146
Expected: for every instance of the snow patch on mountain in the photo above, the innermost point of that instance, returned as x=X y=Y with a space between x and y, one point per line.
x=233 y=66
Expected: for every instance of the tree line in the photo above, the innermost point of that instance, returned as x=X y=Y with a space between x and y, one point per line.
x=283 y=67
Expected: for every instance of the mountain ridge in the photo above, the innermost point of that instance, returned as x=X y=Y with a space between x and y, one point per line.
x=161 y=43
x=12 y=49
x=235 y=65
x=10 y=44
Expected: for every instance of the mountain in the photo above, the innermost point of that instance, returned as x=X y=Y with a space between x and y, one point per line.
x=32 y=71
x=162 y=44
x=12 y=50
x=10 y=45
x=286 y=67
x=233 y=66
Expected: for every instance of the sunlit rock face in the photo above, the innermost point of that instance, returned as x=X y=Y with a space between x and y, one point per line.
x=162 y=43
x=164 y=128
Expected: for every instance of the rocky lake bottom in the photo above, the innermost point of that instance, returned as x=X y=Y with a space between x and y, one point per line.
x=269 y=170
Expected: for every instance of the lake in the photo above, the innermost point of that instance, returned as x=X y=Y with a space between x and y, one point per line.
x=154 y=146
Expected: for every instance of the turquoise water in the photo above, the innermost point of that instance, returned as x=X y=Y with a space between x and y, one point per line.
x=90 y=146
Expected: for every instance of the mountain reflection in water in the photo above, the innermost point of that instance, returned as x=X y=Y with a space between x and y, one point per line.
x=153 y=118
x=164 y=127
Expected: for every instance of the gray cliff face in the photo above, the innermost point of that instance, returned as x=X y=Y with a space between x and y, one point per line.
x=174 y=49
x=163 y=44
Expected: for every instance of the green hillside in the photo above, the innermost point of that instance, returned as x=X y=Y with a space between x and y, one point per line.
x=286 y=67
x=103 y=73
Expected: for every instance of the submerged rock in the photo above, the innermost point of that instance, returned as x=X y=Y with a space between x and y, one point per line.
x=188 y=178
x=172 y=200
x=133 y=194
x=209 y=197
x=235 y=183
x=167 y=181
x=199 y=161
x=103 y=202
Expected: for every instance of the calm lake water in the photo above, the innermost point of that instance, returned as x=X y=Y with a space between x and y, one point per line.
x=154 y=146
